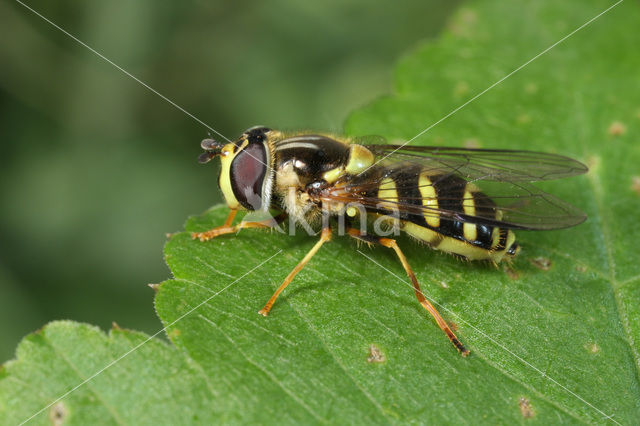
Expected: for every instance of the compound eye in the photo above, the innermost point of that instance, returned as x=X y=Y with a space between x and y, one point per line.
x=248 y=171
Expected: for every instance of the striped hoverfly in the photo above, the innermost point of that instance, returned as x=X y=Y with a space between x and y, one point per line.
x=466 y=202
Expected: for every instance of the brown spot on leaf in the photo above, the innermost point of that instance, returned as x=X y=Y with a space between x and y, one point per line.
x=463 y=23
x=154 y=287
x=525 y=408
x=465 y=53
x=461 y=89
x=511 y=273
x=592 y=347
x=375 y=355
x=453 y=326
x=58 y=414
x=471 y=143
x=175 y=332
x=541 y=263
x=617 y=128
x=635 y=184
x=531 y=88
x=469 y=16
x=581 y=268
x=443 y=284
x=115 y=326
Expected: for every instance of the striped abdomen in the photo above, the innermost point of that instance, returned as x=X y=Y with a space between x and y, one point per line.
x=442 y=202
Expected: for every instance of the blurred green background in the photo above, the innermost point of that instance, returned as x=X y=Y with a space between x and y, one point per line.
x=95 y=169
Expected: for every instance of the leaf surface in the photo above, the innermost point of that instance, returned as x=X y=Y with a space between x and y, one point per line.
x=558 y=342
x=554 y=337
x=154 y=382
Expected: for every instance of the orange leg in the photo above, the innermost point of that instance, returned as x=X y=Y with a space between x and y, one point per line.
x=387 y=242
x=325 y=236
x=228 y=229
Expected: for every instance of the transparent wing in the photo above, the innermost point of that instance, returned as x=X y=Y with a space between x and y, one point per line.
x=485 y=164
x=500 y=192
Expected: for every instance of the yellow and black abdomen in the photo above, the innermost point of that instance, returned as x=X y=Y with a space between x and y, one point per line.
x=443 y=213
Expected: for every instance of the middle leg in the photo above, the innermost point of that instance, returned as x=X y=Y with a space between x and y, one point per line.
x=324 y=237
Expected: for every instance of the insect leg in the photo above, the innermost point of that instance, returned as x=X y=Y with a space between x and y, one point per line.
x=388 y=242
x=325 y=236
x=228 y=229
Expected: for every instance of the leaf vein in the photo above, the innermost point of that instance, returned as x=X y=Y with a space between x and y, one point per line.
x=266 y=372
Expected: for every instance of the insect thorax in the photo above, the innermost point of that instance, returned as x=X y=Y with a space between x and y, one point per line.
x=304 y=165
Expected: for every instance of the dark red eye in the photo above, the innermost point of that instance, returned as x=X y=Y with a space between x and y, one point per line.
x=248 y=171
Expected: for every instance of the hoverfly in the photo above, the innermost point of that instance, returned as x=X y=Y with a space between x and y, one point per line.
x=465 y=202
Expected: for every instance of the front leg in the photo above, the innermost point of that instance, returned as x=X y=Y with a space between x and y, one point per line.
x=228 y=229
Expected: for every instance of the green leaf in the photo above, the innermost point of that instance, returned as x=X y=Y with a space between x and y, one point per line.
x=154 y=382
x=554 y=337
x=555 y=343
